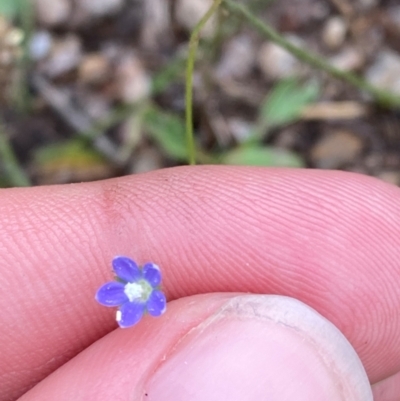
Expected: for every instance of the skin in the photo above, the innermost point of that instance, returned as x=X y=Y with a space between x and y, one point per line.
x=329 y=239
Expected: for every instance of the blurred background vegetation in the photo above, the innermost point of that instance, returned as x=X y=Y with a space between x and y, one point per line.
x=96 y=89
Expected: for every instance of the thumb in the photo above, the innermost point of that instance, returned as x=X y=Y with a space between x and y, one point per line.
x=262 y=348
x=245 y=347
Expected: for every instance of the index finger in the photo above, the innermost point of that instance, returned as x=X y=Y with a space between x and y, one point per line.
x=329 y=239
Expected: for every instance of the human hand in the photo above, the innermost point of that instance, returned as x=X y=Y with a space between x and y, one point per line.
x=328 y=239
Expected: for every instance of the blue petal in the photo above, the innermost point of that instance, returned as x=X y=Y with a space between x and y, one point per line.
x=111 y=294
x=151 y=272
x=126 y=269
x=131 y=313
x=157 y=303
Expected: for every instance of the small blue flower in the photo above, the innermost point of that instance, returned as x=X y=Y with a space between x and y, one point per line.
x=136 y=291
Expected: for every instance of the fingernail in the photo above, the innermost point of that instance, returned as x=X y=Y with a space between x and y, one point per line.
x=261 y=347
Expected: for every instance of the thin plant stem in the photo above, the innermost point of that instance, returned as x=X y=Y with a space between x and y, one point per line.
x=382 y=97
x=14 y=173
x=193 y=45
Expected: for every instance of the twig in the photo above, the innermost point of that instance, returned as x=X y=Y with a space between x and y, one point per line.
x=347 y=110
x=60 y=102
x=382 y=97
x=193 y=44
x=15 y=174
x=76 y=119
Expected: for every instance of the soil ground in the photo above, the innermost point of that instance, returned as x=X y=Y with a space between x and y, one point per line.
x=79 y=109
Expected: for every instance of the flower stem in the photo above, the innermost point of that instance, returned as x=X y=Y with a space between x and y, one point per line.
x=193 y=44
x=382 y=97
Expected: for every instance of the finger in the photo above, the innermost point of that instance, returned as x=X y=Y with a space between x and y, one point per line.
x=388 y=389
x=217 y=347
x=329 y=239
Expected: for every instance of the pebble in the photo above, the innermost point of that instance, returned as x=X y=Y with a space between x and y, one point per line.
x=65 y=56
x=334 y=32
x=94 y=69
x=52 y=12
x=99 y=8
x=133 y=82
x=385 y=71
x=147 y=160
x=239 y=128
x=319 y=10
x=393 y=14
x=40 y=45
x=156 y=23
x=365 y=5
x=374 y=160
x=13 y=38
x=277 y=63
x=189 y=12
x=96 y=106
x=336 y=149
x=349 y=59
x=5 y=26
x=238 y=58
x=298 y=14
x=287 y=138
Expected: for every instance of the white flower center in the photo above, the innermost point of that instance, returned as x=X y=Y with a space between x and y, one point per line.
x=133 y=291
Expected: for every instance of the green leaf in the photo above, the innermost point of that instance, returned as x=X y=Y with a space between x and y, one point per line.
x=285 y=102
x=70 y=161
x=74 y=152
x=262 y=156
x=168 y=130
x=10 y=8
